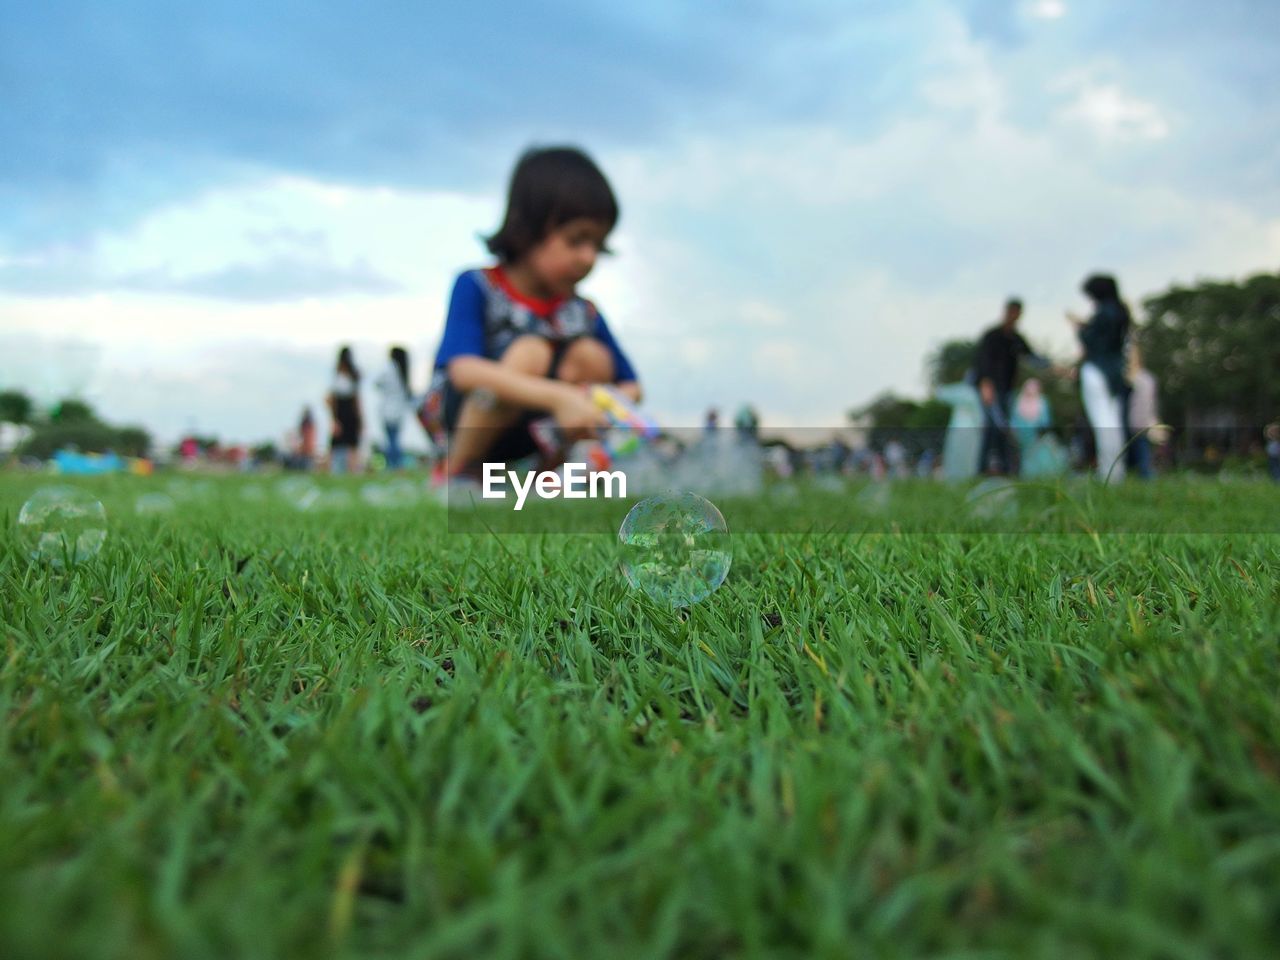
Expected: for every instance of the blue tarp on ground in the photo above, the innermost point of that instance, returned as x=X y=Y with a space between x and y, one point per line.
x=85 y=464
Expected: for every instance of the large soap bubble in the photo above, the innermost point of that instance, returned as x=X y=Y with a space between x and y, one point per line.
x=62 y=525
x=675 y=547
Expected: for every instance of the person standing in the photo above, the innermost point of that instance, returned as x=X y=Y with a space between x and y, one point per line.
x=1102 y=380
x=1142 y=414
x=306 y=439
x=995 y=367
x=396 y=401
x=960 y=444
x=345 y=414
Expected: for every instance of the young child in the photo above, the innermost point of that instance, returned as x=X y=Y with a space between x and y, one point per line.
x=519 y=342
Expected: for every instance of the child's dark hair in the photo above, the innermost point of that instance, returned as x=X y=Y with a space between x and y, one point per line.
x=400 y=358
x=550 y=187
x=347 y=363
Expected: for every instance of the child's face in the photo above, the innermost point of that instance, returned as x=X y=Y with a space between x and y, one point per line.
x=566 y=255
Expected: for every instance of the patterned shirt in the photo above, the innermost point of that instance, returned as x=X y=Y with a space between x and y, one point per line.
x=486 y=313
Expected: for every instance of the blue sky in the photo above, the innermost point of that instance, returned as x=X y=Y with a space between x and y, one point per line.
x=198 y=203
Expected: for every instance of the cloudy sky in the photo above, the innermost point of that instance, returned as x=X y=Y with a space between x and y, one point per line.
x=198 y=203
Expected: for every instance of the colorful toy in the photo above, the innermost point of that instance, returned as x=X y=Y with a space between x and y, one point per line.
x=622 y=412
x=629 y=428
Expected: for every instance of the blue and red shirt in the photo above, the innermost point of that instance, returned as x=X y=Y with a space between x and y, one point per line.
x=486 y=313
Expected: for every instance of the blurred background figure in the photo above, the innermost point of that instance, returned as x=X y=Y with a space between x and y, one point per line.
x=712 y=420
x=961 y=445
x=747 y=423
x=926 y=464
x=1102 y=369
x=1030 y=416
x=344 y=409
x=895 y=458
x=1040 y=453
x=1143 y=414
x=396 y=401
x=1272 y=435
x=995 y=367
x=306 y=439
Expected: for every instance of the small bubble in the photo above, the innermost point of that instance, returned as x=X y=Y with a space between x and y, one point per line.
x=153 y=504
x=875 y=498
x=299 y=492
x=993 y=499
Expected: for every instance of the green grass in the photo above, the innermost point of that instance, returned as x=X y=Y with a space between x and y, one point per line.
x=243 y=731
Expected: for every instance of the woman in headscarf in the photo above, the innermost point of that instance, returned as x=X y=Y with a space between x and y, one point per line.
x=1102 y=371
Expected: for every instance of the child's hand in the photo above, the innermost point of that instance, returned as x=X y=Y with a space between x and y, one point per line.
x=575 y=412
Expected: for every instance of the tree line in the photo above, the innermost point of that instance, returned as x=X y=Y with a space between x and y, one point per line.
x=70 y=424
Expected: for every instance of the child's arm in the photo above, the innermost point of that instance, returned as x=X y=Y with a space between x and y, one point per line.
x=570 y=406
x=624 y=375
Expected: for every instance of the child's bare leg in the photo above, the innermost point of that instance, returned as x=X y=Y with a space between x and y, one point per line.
x=586 y=360
x=483 y=417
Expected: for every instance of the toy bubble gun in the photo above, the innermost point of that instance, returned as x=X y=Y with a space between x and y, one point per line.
x=628 y=428
x=622 y=412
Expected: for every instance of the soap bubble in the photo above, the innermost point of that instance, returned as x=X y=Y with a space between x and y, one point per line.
x=376 y=494
x=152 y=504
x=403 y=492
x=334 y=499
x=299 y=492
x=993 y=499
x=189 y=491
x=675 y=547
x=875 y=498
x=62 y=525
x=253 y=493
x=785 y=491
x=829 y=483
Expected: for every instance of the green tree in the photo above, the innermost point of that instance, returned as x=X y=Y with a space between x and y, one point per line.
x=132 y=441
x=1215 y=349
x=71 y=410
x=916 y=425
x=15 y=407
x=87 y=436
x=950 y=362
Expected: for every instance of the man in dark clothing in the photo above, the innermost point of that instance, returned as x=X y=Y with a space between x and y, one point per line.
x=995 y=367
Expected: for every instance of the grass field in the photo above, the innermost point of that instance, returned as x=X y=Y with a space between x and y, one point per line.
x=245 y=731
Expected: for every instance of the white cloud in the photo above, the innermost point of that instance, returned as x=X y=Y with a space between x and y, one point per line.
x=1046 y=9
x=1112 y=113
